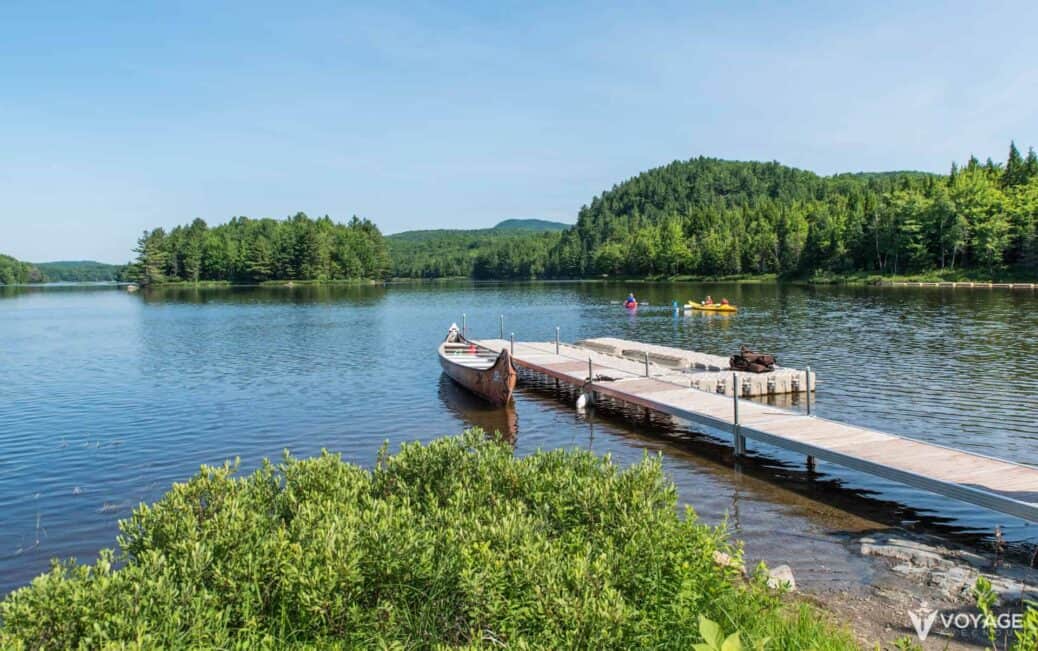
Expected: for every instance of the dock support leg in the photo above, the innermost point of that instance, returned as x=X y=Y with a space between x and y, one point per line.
x=464 y=325
x=807 y=375
x=556 y=340
x=502 y=324
x=810 y=463
x=739 y=441
x=512 y=346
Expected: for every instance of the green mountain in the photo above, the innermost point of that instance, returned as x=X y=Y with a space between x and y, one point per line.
x=535 y=225
x=514 y=248
x=707 y=216
x=79 y=271
x=712 y=217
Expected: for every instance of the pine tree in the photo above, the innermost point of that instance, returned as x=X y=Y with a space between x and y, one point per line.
x=152 y=257
x=1014 y=173
x=1031 y=165
x=260 y=260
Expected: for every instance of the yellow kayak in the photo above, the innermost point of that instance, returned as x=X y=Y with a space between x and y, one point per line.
x=716 y=307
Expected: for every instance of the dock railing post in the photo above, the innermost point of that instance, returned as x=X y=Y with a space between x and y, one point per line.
x=511 y=349
x=807 y=373
x=556 y=340
x=502 y=323
x=647 y=364
x=590 y=374
x=739 y=442
x=464 y=325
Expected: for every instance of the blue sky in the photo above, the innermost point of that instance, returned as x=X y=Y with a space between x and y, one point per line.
x=124 y=116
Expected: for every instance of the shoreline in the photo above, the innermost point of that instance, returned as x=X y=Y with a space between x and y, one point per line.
x=856 y=279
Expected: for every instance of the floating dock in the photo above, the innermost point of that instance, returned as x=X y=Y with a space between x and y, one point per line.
x=996 y=484
x=956 y=284
x=704 y=371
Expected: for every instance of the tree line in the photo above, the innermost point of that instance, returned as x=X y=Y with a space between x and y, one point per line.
x=255 y=250
x=714 y=217
x=490 y=253
x=16 y=272
x=702 y=216
x=80 y=271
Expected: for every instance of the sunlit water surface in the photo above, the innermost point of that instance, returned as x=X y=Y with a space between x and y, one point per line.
x=107 y=397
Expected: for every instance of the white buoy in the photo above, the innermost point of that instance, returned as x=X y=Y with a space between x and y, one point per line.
x=582 y=401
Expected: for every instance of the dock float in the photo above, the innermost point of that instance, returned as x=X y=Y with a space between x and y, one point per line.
x=996 y=484
x=957 y=284
x=705 y=371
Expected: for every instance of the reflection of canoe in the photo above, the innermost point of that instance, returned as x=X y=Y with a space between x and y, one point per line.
x=488 y=374
x=476 y=412
x=716 y=307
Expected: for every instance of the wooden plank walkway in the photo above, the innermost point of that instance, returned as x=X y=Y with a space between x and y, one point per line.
x=996 y=484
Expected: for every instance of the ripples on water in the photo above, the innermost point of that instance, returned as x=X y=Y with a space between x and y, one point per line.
x=106 y=398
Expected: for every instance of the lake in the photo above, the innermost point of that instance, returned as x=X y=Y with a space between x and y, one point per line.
x=108 y=397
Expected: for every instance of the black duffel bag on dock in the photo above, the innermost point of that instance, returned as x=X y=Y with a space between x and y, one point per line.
x=751 y=362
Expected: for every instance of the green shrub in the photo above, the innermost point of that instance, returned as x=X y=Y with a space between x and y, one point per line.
x=453 y=544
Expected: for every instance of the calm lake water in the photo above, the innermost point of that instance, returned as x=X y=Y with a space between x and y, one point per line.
x=106 y=397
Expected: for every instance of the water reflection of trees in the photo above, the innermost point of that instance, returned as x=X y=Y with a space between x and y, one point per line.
x=15 y=291
x=360 y=293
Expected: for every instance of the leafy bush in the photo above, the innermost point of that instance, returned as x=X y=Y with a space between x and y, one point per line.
x=456 y=543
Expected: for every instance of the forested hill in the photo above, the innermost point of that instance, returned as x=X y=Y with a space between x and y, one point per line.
x=702 y=216
x=530 y=225
x=80 y=271
x=716 y=217
x=514 y=248
x=15 y=272
x=255 y=250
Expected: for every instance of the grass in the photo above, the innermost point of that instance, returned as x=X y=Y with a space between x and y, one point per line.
x=454 y=544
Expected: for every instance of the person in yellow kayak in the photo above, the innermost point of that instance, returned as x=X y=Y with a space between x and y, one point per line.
x=709 y=300
x=724 y=301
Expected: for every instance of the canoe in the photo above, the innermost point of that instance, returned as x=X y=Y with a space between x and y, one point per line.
x=485 y=373
x=631 y=306
x=716 y=307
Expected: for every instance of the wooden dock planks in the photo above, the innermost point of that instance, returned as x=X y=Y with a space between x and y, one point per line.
x=996 y=484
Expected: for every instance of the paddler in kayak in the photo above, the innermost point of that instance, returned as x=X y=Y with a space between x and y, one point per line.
x=631 y=301
x=708 y=300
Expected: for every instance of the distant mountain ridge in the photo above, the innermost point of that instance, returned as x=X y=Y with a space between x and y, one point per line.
x=506 y=227
x=79 y=271
x=14 y=271
x=475 y=252
x=530 y=225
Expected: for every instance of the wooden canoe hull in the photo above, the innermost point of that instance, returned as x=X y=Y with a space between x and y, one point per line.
x=494 y=384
